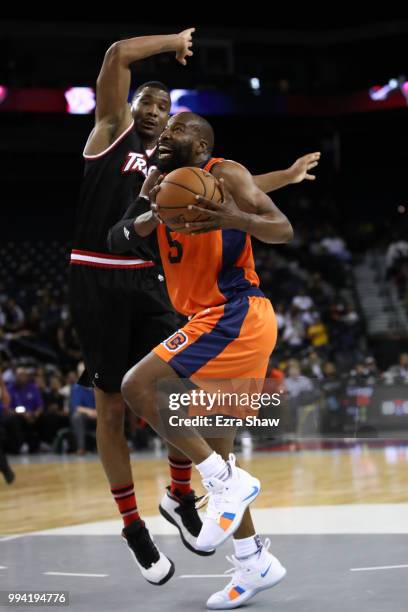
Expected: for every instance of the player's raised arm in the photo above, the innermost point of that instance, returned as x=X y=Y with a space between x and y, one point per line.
x=245 y=207
x=113 y=113
x=296 y=173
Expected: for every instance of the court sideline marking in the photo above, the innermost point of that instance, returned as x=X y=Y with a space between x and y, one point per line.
x=76 y=574
x=380 y=567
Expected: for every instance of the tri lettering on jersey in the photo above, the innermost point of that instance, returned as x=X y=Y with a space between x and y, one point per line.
x=135 y=162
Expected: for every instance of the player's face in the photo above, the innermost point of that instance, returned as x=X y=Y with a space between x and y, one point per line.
x=150 y=110
x=176 y=145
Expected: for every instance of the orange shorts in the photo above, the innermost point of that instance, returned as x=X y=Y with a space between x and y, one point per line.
x=231 y=341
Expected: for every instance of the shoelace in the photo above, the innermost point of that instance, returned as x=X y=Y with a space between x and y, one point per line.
x=217 y=498
x=240 y=568
x=202 y=501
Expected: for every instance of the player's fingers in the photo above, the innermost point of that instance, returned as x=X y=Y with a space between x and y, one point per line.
x=210 y=204
x=312 y=165
x=208 y=211
x=153 y=193
x=310 y=177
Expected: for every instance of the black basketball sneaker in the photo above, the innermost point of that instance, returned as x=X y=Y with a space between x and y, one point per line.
x=155 y=567
x=180 y=510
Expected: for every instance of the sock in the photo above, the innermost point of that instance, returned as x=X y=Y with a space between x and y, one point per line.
x=180 y=474
x=213 y=467
x=247 y=546
x=126 y=502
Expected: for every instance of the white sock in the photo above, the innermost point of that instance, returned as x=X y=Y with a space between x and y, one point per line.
x=247 y=546
x=213 y=467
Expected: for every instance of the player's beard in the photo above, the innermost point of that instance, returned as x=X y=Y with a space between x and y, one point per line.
x=181 y=156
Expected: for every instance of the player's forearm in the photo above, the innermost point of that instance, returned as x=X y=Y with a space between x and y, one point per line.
x=130 y=234
x=134 y=49
x=145 y=224
x=267 y=228
x=272 y=180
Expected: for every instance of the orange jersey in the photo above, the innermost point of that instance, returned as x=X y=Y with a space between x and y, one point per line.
x=208 y=269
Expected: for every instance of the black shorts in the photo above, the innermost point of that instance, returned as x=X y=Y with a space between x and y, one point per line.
x=119 y=316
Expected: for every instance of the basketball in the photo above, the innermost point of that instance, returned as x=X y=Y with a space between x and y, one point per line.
x=179 y=189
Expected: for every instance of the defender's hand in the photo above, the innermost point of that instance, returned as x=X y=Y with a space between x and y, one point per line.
x=299 y=171
x=184 y=44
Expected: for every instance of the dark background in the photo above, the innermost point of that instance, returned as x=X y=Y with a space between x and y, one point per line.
x=40 y=154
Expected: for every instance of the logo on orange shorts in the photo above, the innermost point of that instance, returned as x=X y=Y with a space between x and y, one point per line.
x=175 y=341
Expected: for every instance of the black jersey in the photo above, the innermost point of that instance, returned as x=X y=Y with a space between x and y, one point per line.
x=112 y=180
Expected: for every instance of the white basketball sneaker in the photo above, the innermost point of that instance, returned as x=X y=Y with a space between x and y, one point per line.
x=228 y=500
x=256 y=573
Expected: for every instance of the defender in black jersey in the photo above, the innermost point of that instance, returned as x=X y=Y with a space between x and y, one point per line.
x=119 y=305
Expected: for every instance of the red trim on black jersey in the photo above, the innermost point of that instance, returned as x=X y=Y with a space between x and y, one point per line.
x=118 y=139
x=102 y=260
x=103 y=255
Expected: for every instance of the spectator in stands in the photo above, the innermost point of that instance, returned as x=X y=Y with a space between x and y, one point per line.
x=5 y=468
x=294 y=332
x=70 y=380
x=399 y=373
x=318 y=336
x=300 y=390
x=335 y=246
x=280 y=317
x=68 y=345
x=312 y=366
x=26 y=403
x=333 y=389
x=320 y=291
x=82 y=415
x=14 y=316
x=397 y=250
x=54 y=417
x=302 y=301
x=296 y=383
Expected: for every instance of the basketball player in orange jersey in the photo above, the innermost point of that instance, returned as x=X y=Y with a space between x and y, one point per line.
x=231 y=333
x=114 y=332
x=119 y=152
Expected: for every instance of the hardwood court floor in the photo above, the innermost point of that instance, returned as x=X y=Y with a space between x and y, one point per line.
x=62 y=493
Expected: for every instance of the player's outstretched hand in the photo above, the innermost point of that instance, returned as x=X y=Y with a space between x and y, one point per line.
x=299 y=171
x=223 y=215
x=184 y=44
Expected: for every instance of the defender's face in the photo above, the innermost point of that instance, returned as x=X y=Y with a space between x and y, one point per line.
x=150 y=110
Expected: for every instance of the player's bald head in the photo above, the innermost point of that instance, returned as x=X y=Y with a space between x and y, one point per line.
x=200 y=125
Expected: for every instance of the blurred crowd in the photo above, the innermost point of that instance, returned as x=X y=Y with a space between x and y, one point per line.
x=321 y=345
x=396 y=261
